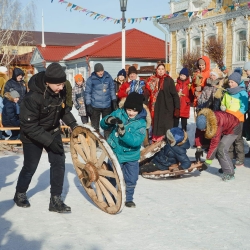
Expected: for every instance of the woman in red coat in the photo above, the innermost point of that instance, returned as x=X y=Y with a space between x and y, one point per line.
x=182 y=88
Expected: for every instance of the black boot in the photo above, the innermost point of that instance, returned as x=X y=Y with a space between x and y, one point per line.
x=21 y=200
x=56 y=205
x=148 y=167
x=130 y=204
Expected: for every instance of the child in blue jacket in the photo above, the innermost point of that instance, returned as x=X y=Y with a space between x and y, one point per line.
x=174 y=152
x=128 y=126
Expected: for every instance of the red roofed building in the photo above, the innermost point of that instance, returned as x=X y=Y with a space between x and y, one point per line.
x=141 y=48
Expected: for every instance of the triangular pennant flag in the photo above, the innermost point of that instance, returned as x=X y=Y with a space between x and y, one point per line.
x=248 y=4
x=204 y=12
x=190 y=14
x=69 y=4
x=97 y=15
x=132 y=20
x=73 y=6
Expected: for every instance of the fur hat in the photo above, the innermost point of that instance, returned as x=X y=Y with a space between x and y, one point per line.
x=235 y=77
x=217 y=72
x=131 y=70
x=55 y=74
x=14 y=94
x=98 y=67
x=134 y=101
x=79 y=78
x=184 y=71
x=3 y=69
x=201 y=122
x=175 y=135
x=122 y=73
x=238 y=70
x=247 y=66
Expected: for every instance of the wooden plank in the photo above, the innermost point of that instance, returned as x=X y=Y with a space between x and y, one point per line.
x=18 y=128
x=12 y=142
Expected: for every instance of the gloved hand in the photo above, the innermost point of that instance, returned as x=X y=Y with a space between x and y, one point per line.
x=121 y=130
x=205 y=165
x=176 y=113
x=115 y=106
x=73 y=125
x=89 y=109
x=198 y=154
x=111 y=120
x=56 y=146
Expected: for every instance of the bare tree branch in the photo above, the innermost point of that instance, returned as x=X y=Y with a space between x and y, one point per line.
x=15 y=23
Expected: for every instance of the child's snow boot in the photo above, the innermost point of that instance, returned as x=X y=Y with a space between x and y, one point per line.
x=129 y=204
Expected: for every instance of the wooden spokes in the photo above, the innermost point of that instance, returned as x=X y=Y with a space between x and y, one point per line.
x=98 y=169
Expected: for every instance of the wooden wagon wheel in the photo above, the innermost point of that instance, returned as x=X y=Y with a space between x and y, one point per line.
x=98 y=169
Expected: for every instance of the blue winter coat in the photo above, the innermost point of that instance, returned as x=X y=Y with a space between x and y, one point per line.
x=126 y=147
x=173 y=155
x=99 y=92
x=12 y=84
x=10 y=115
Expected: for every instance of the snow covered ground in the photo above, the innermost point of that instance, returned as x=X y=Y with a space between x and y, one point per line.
x=194 y=212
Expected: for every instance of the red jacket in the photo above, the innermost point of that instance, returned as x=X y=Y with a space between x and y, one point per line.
x=122 y=90
x=226 y=124
x=184 y=99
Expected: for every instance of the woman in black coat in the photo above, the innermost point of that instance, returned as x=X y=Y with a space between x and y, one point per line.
x=164 y=102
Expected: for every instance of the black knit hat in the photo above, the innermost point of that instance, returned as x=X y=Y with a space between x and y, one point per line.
x=131 y=70
x=134 y=101
x=98 y=67
x=55 y=74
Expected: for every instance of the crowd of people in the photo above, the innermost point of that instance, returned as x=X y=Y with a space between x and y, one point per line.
x=132 y=112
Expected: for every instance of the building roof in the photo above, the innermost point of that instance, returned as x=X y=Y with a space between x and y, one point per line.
x=139 y=45
x=34 y=38
x=54 y=53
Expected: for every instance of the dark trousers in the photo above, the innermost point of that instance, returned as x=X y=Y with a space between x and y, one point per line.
x=237 y=147
x=84 y=119
x=95 y=118
x=32 y=154
x=183 y=123
x=15 y=134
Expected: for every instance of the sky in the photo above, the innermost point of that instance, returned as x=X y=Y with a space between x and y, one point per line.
x=59 y=19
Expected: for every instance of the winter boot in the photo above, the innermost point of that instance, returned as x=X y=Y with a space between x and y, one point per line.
x=148 y=167
x=56 y=205
x=21 y=200
x=227 y=177
x=130 y=204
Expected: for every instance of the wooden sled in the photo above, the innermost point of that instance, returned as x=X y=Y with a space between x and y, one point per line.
x=173 y=171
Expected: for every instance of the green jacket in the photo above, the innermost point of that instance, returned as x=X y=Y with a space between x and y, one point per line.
x=126 y=147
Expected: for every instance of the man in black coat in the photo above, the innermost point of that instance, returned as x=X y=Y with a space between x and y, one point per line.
x=40 y=113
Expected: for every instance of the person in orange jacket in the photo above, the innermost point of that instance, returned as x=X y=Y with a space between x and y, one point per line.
x=200 y=78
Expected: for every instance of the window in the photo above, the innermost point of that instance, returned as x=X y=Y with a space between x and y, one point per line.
x=197 y=44
x=241 y=38
x=183 y=48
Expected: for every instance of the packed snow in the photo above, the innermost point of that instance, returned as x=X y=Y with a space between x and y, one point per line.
x=197 y=211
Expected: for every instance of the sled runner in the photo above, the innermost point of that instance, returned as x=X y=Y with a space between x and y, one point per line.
x=174 y=171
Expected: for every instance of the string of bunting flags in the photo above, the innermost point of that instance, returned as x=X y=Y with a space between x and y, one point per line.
x=190 y=15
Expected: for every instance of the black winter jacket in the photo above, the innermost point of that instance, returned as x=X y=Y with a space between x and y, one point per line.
x=13 y=84
x=41 y=111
